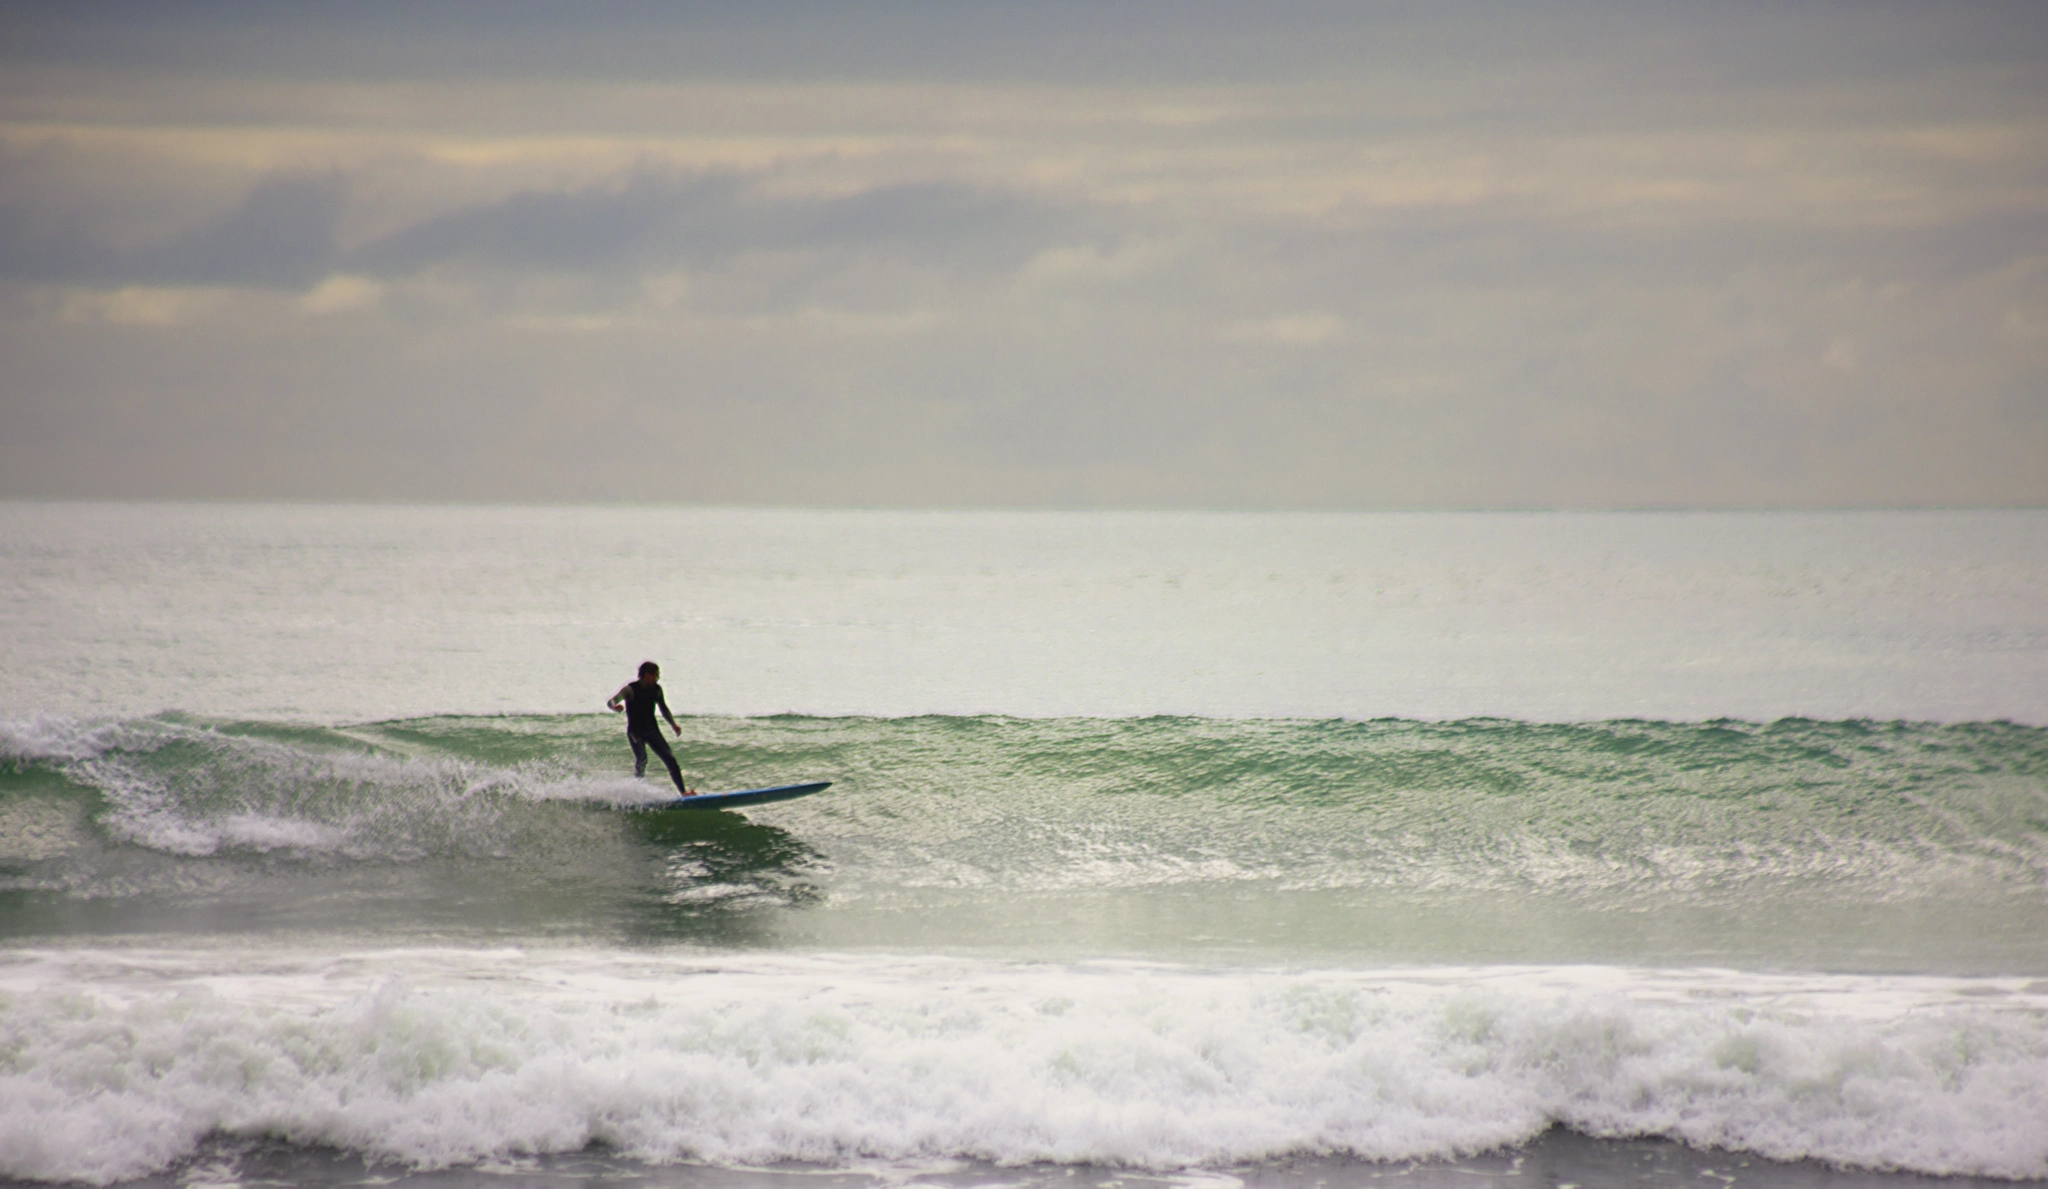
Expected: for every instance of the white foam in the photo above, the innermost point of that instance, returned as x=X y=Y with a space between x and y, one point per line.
x=254 y=832
x=60 y=738
x=619 y=790
x=120 y=1062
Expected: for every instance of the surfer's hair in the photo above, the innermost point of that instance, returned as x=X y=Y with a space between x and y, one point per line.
x=647 y=667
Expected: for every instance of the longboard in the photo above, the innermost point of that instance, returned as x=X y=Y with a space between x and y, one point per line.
x=781 y=792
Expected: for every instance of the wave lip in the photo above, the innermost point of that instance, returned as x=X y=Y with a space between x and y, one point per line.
x=57 y=738
x=440 y=1058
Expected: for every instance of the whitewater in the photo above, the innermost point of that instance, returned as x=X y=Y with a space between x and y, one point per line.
x=1163 y=849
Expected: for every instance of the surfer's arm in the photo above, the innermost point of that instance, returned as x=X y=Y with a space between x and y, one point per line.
x=672 y=724
x=617 y=701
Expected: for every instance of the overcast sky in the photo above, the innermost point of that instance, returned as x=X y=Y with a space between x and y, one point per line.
x=1136 y=254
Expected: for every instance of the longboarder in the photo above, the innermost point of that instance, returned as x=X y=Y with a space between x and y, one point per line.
x=639 y=699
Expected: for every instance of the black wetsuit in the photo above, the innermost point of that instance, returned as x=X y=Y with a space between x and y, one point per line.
x=643 y=732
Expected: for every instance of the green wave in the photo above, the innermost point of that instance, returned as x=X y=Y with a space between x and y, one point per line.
x=961 y=825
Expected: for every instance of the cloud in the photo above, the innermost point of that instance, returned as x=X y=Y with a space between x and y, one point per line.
x=646 y=222
x=1331 y=254
x=141 y=305
x=342 y=294
x=283 y=232
x=586 y=229
x=282 y=235
x=1287 y=330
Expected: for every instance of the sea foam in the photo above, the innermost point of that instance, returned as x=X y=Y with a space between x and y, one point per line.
x=120 y=1062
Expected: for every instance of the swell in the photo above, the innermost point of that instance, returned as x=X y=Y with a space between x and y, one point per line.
x=1624 y=791
x=1612 y=816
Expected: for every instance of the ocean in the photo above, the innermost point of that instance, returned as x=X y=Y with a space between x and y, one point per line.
x=1163 y=851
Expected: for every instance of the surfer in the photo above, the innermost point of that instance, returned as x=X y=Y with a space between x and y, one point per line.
x=639 y=700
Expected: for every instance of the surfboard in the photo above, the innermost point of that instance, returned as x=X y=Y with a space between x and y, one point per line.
x=781 y=792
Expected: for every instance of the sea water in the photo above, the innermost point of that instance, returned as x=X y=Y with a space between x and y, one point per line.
x=1163 y=849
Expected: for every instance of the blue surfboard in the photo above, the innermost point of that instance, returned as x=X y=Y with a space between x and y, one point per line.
x=781 y=792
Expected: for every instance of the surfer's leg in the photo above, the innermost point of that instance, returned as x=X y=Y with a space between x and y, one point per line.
x=639 y=753
x=675 y=770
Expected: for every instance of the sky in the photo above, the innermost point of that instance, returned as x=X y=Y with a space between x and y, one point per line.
x=1135 y=254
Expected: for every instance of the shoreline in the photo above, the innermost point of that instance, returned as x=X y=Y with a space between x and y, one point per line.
x=1559 y=1157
